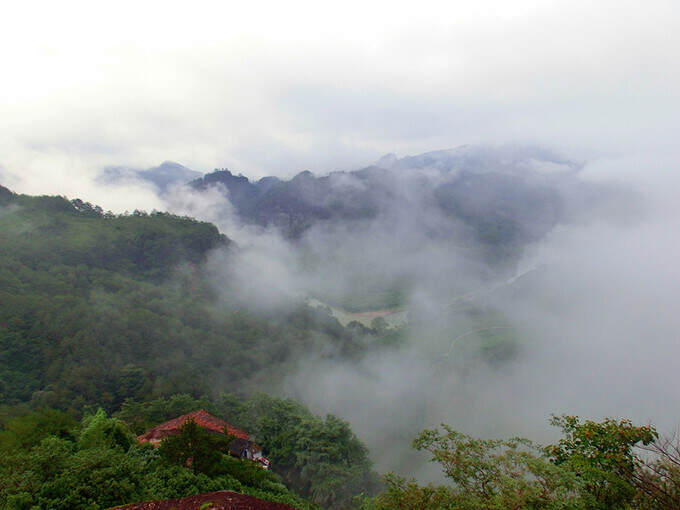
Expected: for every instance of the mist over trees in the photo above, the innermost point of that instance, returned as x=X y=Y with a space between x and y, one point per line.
x=425 y=255
x=471 y=271
x=98 y=308
x=517 y=291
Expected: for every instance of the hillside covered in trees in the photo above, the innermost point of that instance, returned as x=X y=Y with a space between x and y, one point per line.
x=111 y=324
x=51 y=460
x=115 y=312
x=96 y=308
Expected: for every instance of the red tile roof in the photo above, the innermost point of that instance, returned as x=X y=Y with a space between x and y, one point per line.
x=222 y=500
x=202 y=418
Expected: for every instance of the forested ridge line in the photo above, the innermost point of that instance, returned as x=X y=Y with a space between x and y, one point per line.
x=96 y=308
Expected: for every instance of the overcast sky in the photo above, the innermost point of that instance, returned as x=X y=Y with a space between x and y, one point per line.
x=275 y=88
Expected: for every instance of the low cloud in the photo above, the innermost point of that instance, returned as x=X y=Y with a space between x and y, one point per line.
x=277 y=93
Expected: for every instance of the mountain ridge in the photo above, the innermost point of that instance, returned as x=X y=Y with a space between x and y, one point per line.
x=495 y=197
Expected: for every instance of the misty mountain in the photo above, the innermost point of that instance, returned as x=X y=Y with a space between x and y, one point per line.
x=484 y=159
x=497 y=198
x=97 y=308
x=162 y=177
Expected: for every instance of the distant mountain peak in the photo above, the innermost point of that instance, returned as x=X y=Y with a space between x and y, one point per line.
x=387 y=161
x=504 y=195
x=163 y=176
x=171 y=164
x=483 y=158
x=304 y=175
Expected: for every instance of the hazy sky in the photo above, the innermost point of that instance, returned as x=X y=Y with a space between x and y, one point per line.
x=279 y=87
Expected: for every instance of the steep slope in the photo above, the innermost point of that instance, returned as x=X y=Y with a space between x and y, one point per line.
x=96 y=308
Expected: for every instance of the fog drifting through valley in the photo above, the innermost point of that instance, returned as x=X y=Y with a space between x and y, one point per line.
x=595 y=308
x=593 y=304
x=592 y=301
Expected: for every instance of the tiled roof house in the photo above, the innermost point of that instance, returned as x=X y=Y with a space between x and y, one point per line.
x=202 y=418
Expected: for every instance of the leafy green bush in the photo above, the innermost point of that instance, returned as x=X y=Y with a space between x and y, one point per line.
x=90 y=468
x=594 y=466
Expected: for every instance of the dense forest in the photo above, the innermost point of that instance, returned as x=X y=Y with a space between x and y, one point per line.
x=53 y=461
x=109 y=325
x=97 y=308
x=113 y=312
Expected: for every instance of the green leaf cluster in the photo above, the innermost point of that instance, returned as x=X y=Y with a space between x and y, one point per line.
x=485 y=474
x=596 y=465
x=603 y=455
